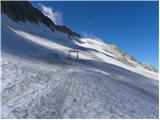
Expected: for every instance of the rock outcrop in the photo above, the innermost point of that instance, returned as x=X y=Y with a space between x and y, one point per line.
x=24 y=11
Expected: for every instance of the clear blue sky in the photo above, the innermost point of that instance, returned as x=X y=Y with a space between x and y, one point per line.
x=132 y=26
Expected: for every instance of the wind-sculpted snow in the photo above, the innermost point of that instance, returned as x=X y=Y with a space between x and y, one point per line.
x=38 y=89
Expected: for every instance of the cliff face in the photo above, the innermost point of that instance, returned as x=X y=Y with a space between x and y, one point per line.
x=24 y=11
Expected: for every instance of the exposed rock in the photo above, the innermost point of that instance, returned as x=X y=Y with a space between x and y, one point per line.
x=123 y=55
x=149 y=67
x=120 y=53
x=24 y=11
x=66 y=30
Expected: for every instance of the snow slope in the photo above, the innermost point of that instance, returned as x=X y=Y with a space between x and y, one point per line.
x=39 y=81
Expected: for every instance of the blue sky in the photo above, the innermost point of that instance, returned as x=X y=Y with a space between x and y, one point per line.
x=132 y=26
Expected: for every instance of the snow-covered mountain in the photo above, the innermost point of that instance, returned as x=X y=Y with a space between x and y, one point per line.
x=40 y=81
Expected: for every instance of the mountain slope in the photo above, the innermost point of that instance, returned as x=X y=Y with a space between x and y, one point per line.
x=40 y=81
x=24 y=11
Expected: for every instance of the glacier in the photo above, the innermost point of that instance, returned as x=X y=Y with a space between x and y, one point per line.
x=39 y=80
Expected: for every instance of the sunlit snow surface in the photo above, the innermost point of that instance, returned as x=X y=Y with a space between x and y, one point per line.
x=39 y=81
